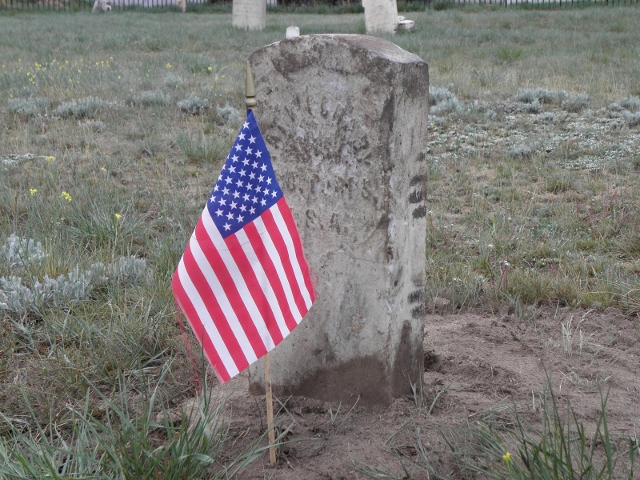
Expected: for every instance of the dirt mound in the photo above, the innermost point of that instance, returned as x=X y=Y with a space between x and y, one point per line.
x=475 y=364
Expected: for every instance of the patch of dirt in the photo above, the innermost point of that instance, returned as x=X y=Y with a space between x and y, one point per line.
x=474 y=364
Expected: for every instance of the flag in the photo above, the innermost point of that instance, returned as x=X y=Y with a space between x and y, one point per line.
x=243 y=282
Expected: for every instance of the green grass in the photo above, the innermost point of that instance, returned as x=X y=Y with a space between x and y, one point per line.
x=99 y=161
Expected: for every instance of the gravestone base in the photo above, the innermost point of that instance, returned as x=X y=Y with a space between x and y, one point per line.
x=345 y=121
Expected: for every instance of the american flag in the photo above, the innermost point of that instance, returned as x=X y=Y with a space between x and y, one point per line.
x=243 y=282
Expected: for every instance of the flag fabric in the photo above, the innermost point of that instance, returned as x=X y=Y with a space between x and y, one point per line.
x=243 y=282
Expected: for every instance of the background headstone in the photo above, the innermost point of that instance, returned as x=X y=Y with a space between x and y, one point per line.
x=292 y=32
x=380 y=16
x=249 y=14
x=345 y=121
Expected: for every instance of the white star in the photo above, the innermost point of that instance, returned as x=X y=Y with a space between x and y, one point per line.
x=241 y=136
x=266 y=191
x=252 y=176
x=243 y=208
x=234 y=205
x=235 y=158
x=239 y=183
x=252 y=211
x=261 y=178
x=252 y=139
x=232 y=169
x=263 y=167
x=274 y=193
x=225 y=191
x=212 y=199
x=249 y=151
x=245 y=125
x=249 y=186
x=254 y=164
x=215 y=187
x=220 y=177
x=245 y=162
x=227 y=226
x=246 y=197
x=230 y=216
x=258 y=154
x=263 y=202
x=243 y=173
x=236 y=194
x=268 y=180
x=222 y=201
x=238 y=147
x=219 y=212
x=254 y=199
x=228 y=180
x=240 y=218
x=258 y=189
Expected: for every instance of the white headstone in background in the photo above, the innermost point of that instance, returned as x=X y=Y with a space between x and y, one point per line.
x=249 y=14
x=272 y=3
x=380 y=16
x=345 y=121
x=293 y=32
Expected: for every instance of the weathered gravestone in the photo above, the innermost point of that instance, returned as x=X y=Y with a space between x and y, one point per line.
x=380 y=16
x=249 y=14
x=345 y=120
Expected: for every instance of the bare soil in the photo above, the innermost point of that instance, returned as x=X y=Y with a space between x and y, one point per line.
x=474 y=364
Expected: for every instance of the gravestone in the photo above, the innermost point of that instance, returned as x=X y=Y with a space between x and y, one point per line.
x=345 y=121
x=292 y=32
x=249 y=14
x=380 y=16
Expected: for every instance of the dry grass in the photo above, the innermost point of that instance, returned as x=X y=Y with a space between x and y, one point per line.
x=112 y=129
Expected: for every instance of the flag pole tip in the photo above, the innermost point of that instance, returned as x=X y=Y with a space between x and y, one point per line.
x=250 y=91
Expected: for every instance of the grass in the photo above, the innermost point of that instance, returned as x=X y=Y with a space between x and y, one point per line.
x=113 y=128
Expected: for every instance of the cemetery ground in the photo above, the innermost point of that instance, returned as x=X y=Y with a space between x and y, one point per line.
x=112 y=130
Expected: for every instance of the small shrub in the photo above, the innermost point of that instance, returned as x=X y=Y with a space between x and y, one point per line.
x=632 y=119
x=84 y=108
x=68 y=289
x=541 y=95
x=19 y=251
x=632 y=104
x=95 y=126
x=576 y=103
x=28 y=107
x=523 y=150
x=443 y=101
x=229 y=115
x=148 y=99
x=194 y=105
x=173 y=81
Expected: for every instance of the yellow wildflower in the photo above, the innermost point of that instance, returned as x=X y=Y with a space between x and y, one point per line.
x=50 y=158
x=169 y=65
x=66 y=196
x=33 y=191
x=118 y=216
x=507 y=458
x=209 y=69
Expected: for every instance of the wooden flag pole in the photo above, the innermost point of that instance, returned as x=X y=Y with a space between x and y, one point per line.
x=271 y=432
x=250 y=94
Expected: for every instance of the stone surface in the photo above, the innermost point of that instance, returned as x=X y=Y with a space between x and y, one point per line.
x=249 y=14
x=380 y=16
x=345 y=120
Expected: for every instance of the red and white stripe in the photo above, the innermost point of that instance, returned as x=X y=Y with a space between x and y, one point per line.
x=243 y=294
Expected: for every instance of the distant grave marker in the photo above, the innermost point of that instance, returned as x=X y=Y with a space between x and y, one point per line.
x=249 y=14
x=345 y=120
x=380 y=16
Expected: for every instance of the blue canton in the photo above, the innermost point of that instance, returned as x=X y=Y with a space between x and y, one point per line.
x=247 y=185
